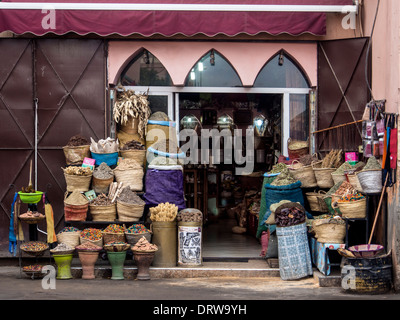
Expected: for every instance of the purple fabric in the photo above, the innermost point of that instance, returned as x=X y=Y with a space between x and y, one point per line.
x=169 y=23
x=164 y=186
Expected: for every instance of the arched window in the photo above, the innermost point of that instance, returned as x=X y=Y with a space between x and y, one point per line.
x=145 y=70
x=212 y=70
x=281 y=72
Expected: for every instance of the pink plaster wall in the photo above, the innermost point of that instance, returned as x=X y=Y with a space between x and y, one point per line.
x=179 y=57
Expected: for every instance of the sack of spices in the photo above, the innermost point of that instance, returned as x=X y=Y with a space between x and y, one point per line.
x=130 y=173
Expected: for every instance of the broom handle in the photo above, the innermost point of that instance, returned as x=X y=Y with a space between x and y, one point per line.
x=378 y=210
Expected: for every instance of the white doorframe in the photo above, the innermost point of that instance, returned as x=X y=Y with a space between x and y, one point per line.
x=173 y=101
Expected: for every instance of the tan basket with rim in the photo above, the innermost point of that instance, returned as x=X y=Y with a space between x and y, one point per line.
x=316 y=202
x=129 y=212
x=101 y=185
x=138 y=155
x=323 y=176
x=370 y=180
x=74 y=155
x=353 y=209
x=77 y=183
x=71 y=238
x=297 y=149
x=353 y=180
x=130 y=177
x=329 y=231
x=337 y=178
x=98 y=243
x=305 y=174
x=103 y=213
x=113 y=237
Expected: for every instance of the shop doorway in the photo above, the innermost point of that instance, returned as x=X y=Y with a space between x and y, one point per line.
x=222 y=195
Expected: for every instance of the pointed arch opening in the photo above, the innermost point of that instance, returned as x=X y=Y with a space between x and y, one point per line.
x=282 y=71
x=213 y=70
x=145 y=70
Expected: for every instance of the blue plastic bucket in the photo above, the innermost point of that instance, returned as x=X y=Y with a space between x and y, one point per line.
x=111 y=159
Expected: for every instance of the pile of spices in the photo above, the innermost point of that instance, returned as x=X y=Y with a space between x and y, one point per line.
x=144 y=245
x=307 y=159
x=77 y=140
x=114 y=228
x=117 y=246
x=76 y=198
x=69 y=229
x=88 y=246
x=33 y=268
x=284 y=179
x=32 y=214
x=372 y=164
x=289 y=217
x=129 y=196
x=103 y=171
x=62 y=247
x=78 y=171
x=351 y=197
x=191 y=215
x=126 y=164
x=345 y=189
x=133 y=145
x=34 y=246
x=343 y=168
x=137 y=228
x=101 y=200
x=279 y=167
x=91 y=234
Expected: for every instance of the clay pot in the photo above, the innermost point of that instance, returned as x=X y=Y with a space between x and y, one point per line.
x=117 y=260
x=88 y=260
x=143 y=261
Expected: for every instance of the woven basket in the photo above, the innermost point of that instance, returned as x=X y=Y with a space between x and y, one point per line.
x=138 y=155
x=305 y=174
x=76 y=155
x=131 y=126
x=131 y=177
x=353 y=180
x=113 y=237
x=337 y=178
x=329 y=231
x=37 y=253
x=103 y=213
x=70 y=238
x=101 y=185
x=132 y=238
x=98 y=243
x=353 y=209
x=75 y=213
x=370 y=180
x=129 y=212
x=77 y=183
x=323 y=176
x=316 y=201
x=297 y=152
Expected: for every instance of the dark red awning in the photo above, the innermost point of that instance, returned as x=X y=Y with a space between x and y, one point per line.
x=107 y=21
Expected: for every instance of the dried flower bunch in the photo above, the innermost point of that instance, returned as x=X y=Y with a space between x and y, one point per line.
x=130 y=104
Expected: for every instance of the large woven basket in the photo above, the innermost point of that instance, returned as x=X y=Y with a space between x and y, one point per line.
x=305 y=174
x=353 y=180
x=129 y=212
x=101 y=185
x=71 y=238
x=131 y=177
x=337 y=178
x=297 y=149
x=316 y=201
x=77 y=183
x=329 y=231
x=138 y=155
x=113 y=237
x=370 y=181
x=103 y=213
x=323 y=176
x=98 y=243
x=353 y=209
x=74 y=155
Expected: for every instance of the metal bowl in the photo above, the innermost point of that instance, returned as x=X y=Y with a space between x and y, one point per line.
x=366 y=250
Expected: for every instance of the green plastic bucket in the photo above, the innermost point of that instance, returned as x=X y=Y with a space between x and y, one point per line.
x=63 y=262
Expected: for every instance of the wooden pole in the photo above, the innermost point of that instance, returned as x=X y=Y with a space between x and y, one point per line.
x=378 y=210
